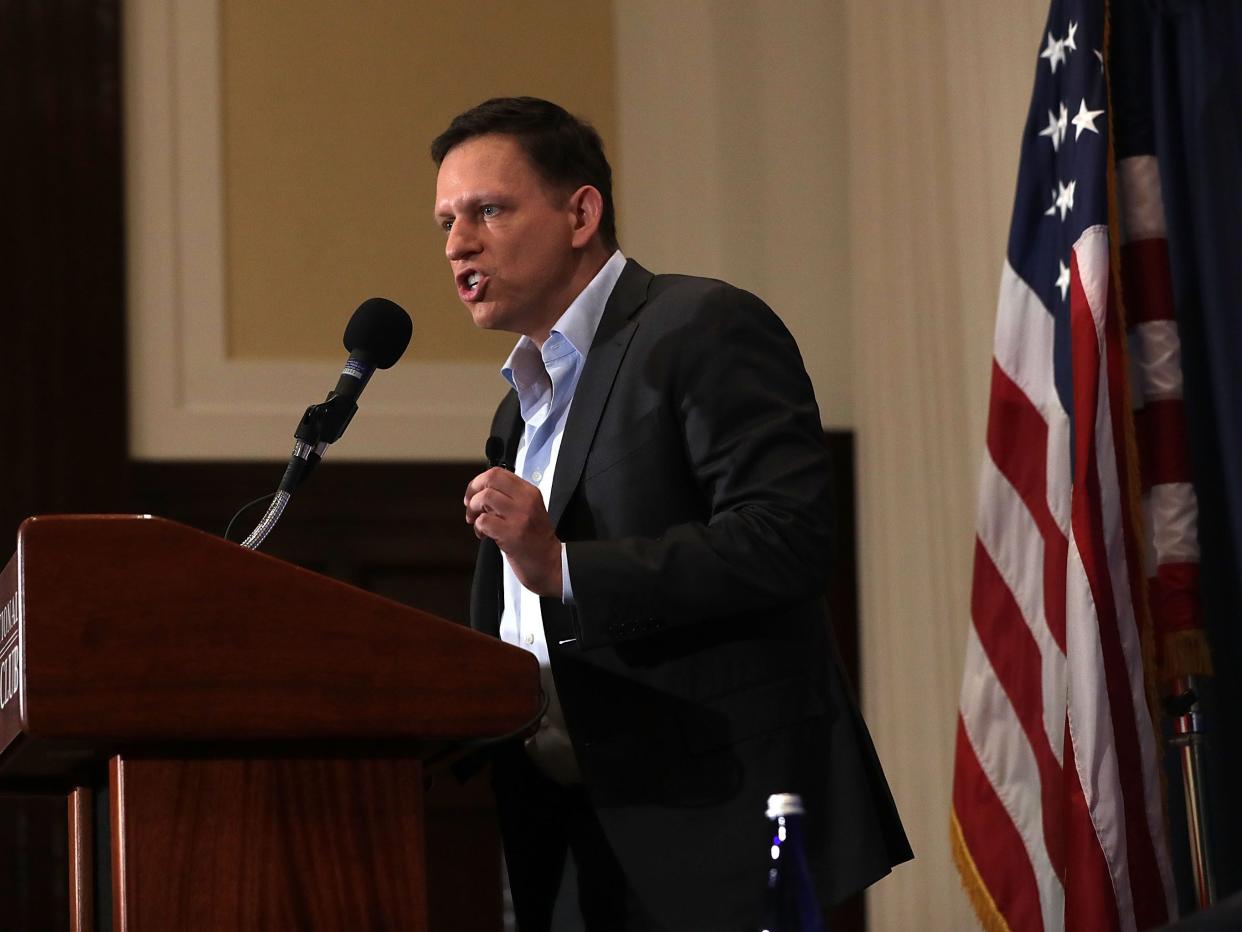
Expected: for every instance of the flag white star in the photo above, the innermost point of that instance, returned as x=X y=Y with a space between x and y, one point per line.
x=1065 y=197
x=1069 y=37
x=1063 y=280
x=1085 y=119
x=1056 y=128
x=1055 y=52
x=1052 y=130
x=1100 y=56
x=1052 y=210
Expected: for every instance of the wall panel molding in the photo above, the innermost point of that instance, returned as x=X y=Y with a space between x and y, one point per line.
x=189 y=400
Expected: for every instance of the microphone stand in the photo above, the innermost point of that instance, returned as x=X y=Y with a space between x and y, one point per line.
x=321 y=425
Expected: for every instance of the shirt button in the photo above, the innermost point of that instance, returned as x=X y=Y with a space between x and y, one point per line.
x=529 y=639
x=537 y=477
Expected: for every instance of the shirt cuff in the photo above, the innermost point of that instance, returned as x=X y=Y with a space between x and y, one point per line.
x=567 y=589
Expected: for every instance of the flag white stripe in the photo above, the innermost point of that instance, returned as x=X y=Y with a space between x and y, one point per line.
x=1024 y=339
x=1140 y=199
x=1173 y=516
x=1004 y=754
x=1060 y=481
x=1011 y=538
x=1156 y=354
x=1025 y=335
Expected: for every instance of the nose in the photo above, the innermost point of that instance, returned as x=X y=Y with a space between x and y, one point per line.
x=462 y=241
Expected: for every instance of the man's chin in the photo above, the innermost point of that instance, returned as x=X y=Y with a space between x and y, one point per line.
x=487 y=316
x=483 y=315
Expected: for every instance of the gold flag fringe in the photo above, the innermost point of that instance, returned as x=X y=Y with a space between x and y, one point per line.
x=990 y=917
x=1186 y=653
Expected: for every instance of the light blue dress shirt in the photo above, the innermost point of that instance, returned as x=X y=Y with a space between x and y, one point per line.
x=544 y=379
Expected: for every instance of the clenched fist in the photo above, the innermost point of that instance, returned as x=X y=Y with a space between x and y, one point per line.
x=510 y=511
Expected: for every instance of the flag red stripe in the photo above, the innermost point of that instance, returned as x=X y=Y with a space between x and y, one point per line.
x=1018 y=442
x=993 y=841
x=1016 y=659
x=1090 y=905
x=1161 y=428
x=1147 y=282
x=1088 y=529
x=1175 y=596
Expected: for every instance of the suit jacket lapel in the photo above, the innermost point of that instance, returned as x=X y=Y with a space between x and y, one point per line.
x=616 y=329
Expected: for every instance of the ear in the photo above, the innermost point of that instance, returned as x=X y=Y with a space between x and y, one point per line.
x=586 y=206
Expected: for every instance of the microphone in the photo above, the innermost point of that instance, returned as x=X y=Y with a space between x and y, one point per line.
x=495 y=453
x=375 y=336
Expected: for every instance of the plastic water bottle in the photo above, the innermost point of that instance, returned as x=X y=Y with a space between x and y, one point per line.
x=790 y=904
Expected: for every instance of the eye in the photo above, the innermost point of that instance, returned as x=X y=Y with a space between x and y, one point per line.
x=489 y=210
x=446 y=225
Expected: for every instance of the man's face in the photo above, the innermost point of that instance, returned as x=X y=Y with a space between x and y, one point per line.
x=509 y=236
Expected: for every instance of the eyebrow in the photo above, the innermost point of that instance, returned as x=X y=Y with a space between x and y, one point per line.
x=480 y=197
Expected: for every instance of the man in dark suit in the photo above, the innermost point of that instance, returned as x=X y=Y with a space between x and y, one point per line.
x=664 y=525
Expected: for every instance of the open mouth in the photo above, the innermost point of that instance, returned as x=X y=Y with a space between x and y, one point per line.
x=470 y=285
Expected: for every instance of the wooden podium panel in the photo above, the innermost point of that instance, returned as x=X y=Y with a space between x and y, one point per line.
x=267 y=845
x=263 y=726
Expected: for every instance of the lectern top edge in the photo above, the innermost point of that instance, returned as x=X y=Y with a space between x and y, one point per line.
x=141 y=631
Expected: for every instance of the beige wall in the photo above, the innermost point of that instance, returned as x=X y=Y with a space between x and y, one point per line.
x=938 y=97
x=327 y=112
x=852 y=162
x=734 y=160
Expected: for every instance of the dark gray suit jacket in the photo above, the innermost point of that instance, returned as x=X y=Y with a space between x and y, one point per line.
x=695 y=668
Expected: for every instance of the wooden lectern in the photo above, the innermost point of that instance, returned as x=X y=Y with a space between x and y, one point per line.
x=262 y=727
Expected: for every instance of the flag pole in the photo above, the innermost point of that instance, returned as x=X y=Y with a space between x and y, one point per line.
x=1189 y=737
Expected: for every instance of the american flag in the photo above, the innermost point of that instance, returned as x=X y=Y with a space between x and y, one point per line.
x=1058 y=818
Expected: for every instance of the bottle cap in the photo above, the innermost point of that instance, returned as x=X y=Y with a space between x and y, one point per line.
x=784 y=804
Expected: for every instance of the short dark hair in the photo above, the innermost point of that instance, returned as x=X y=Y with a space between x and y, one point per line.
x=566 y=151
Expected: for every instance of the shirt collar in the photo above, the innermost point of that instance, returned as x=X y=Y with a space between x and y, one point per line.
x=576 y=326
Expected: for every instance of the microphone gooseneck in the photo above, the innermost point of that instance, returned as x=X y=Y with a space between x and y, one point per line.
x=376 y=336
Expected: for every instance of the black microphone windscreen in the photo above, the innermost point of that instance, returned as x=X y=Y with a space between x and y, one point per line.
x=381 y=329
x=494 y=451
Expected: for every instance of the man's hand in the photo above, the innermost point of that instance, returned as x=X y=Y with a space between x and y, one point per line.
x=510 y=511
